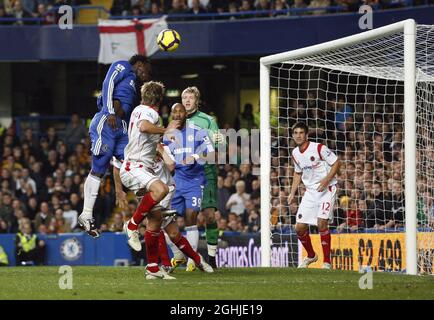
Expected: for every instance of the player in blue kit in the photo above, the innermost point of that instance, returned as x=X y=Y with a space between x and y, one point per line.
x=109 y=130
x=190 y=147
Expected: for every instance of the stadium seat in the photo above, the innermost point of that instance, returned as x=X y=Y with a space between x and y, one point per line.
x=91 y=15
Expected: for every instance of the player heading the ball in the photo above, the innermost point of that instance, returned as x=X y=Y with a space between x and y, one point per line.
x=108 y=129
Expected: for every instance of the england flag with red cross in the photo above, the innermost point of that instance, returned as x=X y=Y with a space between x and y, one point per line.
x=120 y=39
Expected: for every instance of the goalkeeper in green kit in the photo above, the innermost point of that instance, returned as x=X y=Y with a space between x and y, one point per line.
x=190 y=99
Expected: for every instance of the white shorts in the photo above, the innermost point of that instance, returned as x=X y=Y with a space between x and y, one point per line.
x=135 y=176
x=316 y=205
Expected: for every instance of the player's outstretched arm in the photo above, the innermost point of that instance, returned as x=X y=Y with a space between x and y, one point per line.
x=295 y=183
x=148 y=127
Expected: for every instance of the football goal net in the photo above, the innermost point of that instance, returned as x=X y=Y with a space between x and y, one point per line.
x=370 y=98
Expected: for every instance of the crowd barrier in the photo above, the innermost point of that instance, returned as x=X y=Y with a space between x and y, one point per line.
x=350 y=251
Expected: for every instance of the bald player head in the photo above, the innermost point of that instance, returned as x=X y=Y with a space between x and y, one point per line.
x=179 y=113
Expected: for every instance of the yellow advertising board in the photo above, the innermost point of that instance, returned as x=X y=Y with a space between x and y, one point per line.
x=380 y=251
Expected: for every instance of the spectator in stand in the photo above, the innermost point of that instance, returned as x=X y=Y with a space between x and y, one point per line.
x=82 y=156
x=379 y=209
x=233 y=9
x=203 y=3
x=70 y=215
x=19 y=12
x=349 y=5
x=4 y=14
x=44 y=216
x=298 y=4
x=343 y=113
x=120 y=7
x=246 y=6
x=4 y=228
x=30 y=250
x=263 y=5
x=234 y=224
x=118 y=223
x=32 y=208
x=75 y=132
x=247 y=176
x=26 y=180
x=156 y=9
x=256 y=192
x=6 y=210
x=58 y=224
x=398 y=206
x=196 y=10
x=236 y=202
x=354 y=218
x=280 y=6
x=30 y=139
x=319 y=4
x=76 y=202
x=52 y=138
x=253 y=222
x=222 y=224
x=36 y=175
x=178 y=7
x=136 y=11
x=223 y=196
x=42 y=13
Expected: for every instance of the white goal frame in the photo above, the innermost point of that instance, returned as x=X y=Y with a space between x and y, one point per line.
x=409 y=29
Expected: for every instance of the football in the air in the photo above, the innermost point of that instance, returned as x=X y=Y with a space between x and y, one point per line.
x=168 y=40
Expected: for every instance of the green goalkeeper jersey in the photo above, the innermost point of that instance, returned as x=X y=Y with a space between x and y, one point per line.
x=205 y=121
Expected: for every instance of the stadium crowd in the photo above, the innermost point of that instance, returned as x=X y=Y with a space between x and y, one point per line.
x=241 y=9
x=368 y=138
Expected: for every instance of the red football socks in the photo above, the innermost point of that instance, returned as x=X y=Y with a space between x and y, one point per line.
x=307 y=244
x=144 y=206
x=162 y=248
x=151 y=242
x=183 y=245
x=326 y=244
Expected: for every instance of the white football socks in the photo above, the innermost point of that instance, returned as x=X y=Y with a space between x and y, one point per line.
x=91 y=189
x=193 y=238
x=212 y=250
x=177 y=254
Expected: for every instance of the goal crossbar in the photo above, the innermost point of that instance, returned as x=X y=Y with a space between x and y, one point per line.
x=342 y=42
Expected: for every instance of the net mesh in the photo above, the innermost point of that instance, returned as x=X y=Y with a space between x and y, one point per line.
x=352 y=99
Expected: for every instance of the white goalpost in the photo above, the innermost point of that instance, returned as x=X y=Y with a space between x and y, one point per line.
x=370 y=98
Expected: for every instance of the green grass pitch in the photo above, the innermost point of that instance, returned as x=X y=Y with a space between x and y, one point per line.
x=241 y=283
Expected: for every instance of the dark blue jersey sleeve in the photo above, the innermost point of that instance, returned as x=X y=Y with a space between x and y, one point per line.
x=116 y=73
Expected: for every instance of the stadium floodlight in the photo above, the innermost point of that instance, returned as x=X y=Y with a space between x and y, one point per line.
x=381 y=82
